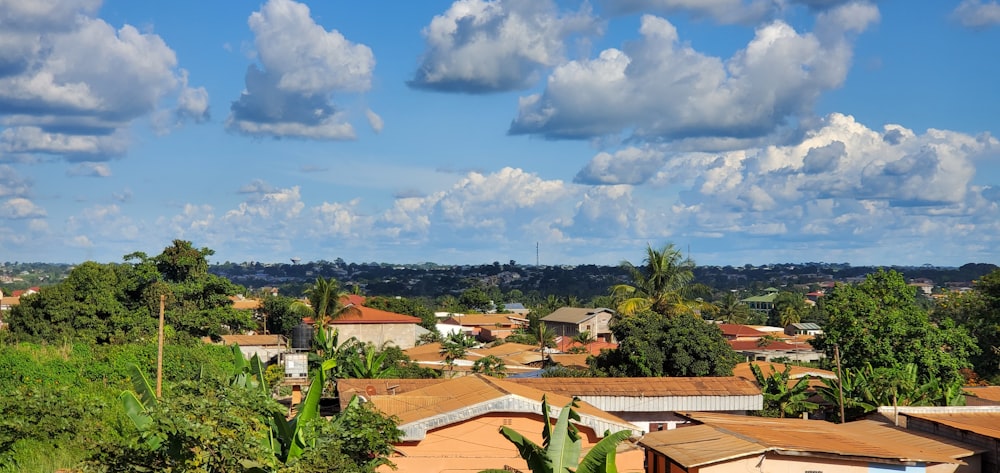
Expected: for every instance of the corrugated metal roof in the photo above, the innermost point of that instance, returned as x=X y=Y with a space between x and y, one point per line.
x=656 y=394
x=982 y=423
x=699 y=445
x=646 y=387
x=743 y=370
x=989 y=393
x=460 y=399
x=869 y=440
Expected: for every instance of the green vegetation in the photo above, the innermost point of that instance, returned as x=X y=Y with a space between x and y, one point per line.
x=651 y=344
x=562 y=445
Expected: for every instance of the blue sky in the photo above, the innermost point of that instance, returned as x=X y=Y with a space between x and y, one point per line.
x=744 y=131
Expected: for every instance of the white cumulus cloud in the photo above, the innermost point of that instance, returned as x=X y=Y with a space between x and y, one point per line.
x=659 y=87
x=977 y=13
x=481 y=46
x=301 y=66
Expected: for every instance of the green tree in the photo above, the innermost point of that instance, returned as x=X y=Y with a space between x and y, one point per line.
x=280 y=314
x=324 y=298
x=475 y=299
x=655 y=345
x=788 y=309
x=490 y=365
x=182 y=262
x=731 y=310
x=978 y=311
x=657 y=285
x=402 y=305
x=878 y=322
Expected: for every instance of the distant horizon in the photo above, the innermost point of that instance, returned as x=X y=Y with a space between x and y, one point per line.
x=304 y=262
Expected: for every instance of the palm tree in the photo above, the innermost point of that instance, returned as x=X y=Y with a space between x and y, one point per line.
x=657 y=284
x=490 y=365
x=732 y=310
x=324 y=297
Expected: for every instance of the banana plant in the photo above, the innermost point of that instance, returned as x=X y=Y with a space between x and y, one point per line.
x=139 y=402
x=562 y=444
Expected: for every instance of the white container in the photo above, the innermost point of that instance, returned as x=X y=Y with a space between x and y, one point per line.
x=296 y=365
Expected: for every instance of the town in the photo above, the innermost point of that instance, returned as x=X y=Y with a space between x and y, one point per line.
x=669 y=367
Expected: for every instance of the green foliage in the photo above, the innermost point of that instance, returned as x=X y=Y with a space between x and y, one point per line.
x=780 y=398
x=651 y=344
x=401 y=305
x=280 y=316
x=878 y=322
x=657 y=285
x=119 y=303
x=562 y=444
x=324 y=298
x=490 y=365
x=978 y=311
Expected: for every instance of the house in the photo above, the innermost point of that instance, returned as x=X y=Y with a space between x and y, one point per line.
x=723 y=443
x=651 y=403
x=487 y=327
x=571 y=321
x=776 y=350
x=454 y=425
x=516 y=308
x=741 y=332
x=378 y=327
x=804 y=328
x=762 y=304
x=974 y=425
x=517 y=358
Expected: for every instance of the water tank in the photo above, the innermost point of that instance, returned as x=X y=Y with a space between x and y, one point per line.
x=296 y=365
x=302 y=336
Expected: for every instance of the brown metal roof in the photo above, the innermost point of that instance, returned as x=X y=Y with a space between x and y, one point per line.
x=982 y=423
x=644 y=387
x=347 y=388
x=869 y=440
x=699 y=445
x=459 y=393
x=989 y=393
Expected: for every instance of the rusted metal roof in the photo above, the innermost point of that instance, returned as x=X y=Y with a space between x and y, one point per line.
x=348 y=387
x=254 y=340
x=724 y=437
x=989 y=393
x=656 y=394
x=645 y=387
x=743 y=370
x=982 y=423
x=460 y=399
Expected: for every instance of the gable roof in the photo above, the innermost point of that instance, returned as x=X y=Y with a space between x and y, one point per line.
x=359 y=314
x=752 y=345
x=723 y=437
x=738 y=330
x=461 y=399
x=483 y=320
x=574 y=315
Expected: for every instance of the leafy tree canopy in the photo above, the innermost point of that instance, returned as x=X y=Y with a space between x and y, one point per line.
x=879 y=322
x=655 y=345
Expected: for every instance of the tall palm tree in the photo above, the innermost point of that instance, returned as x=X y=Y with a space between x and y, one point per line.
x=324 y=297
x=657 y=284
x=731 y=310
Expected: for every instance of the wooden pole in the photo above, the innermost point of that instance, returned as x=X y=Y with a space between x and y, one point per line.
x=159 y=352
x=840 y=380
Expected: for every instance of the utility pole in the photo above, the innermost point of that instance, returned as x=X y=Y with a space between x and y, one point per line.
x=159 y=352
x=840 y=380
